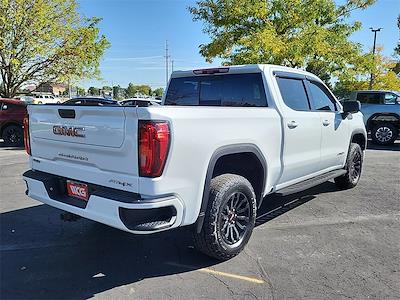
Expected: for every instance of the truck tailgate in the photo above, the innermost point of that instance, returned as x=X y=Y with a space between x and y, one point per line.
x=92 y=143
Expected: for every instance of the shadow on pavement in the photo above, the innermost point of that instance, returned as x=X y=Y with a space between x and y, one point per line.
x=394 y=147
x=43 y=257
x=274 y=205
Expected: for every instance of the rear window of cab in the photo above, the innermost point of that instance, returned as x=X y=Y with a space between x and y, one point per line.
x=237 y=90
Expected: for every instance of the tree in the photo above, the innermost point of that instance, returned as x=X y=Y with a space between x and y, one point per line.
x=93 y=91
x=45 y=41
x=118 y=92
x=80 y=91
x=135 y=90
x=158 y=92
x=358 y=78
x=305 y=34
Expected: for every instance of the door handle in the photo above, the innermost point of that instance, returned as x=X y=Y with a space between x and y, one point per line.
x=292 y=124
x=326 y=123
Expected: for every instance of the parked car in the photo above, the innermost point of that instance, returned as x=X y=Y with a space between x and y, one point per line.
x=140 y=102
x=12 y=113
x=26 y=99
x=381 y=110
x=90 y=101
x=45 y=99
x=223 y=139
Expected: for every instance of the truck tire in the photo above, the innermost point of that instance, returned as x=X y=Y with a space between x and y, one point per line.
x=13 y=135
x=353 y=167
x=229 y=218
x=384 y=134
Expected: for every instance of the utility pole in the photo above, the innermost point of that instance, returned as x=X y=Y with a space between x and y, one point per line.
x=172 y=65
x=167 y=56
x=373 y=55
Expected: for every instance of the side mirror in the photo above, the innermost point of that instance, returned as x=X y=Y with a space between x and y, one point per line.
x=351 y=107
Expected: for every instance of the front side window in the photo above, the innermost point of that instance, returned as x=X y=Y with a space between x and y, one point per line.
x=218 y=90
x=390 y=98
x=321 y=98
x=293 y=93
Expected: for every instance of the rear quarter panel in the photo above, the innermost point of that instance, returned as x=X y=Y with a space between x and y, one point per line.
x=196 y=133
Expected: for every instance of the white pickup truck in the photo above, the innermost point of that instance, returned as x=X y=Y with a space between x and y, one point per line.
x=222 y=140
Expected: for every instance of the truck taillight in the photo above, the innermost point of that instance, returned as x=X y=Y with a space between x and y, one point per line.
x=154 y=140
x=27 y=141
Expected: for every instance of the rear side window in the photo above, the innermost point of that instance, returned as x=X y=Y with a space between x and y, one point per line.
x=293 y=93
x=372 y=98
x=218 y=90
x=183 y=91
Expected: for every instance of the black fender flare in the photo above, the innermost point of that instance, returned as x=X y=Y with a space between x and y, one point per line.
x=220 y=152
x=359 y=131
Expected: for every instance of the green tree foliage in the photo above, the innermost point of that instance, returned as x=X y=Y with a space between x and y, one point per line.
x=158 y=92
x=358 y=78
x=311 y=34
x=45 y=41
x=93 y=91
x=136 y=90
x=80 y=91
x=118 y=92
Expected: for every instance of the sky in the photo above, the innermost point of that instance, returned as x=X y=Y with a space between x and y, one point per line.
x=138 y=29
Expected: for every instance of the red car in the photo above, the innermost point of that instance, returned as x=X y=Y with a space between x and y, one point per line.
x=12 y=113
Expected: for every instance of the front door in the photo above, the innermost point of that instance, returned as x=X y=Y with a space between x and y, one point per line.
x=335 y=130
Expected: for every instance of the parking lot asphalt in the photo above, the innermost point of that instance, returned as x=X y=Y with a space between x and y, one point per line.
x=319 y=244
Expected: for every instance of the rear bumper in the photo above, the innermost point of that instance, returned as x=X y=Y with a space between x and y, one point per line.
x=122 y=210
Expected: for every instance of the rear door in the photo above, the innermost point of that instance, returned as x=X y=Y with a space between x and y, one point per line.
x=301 y=127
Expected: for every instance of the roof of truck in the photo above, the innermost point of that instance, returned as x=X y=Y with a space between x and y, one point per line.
x=238 y=69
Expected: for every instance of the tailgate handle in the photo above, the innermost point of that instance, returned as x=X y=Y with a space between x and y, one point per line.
x=67 y=113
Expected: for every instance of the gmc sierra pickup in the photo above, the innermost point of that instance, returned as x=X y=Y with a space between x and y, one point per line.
x=222 y=140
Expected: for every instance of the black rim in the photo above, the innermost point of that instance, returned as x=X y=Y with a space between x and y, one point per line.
x=14 y=136
x=235 y=218
x=355 y=167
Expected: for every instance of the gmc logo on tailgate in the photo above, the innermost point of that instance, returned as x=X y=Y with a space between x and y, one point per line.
x=69 y=131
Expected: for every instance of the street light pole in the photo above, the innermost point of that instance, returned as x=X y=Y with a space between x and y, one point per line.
x=371 y=81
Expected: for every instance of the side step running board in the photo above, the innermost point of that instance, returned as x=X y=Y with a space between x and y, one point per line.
x=309 y=183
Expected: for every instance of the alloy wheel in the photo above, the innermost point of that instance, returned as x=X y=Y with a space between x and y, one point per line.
x=384 y=134
x=235 y=218
x=13 y=136
x=355 y=167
